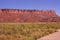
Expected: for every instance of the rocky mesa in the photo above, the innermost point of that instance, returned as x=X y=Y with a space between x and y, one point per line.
x=18 y=15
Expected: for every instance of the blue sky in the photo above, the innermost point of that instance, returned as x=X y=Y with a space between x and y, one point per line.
x=31 y=4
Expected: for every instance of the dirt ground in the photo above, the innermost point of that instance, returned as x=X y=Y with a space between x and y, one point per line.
x=53 y=36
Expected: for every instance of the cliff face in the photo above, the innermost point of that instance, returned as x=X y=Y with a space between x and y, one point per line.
x=15 y=15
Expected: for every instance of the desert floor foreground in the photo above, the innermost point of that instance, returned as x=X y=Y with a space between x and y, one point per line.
x=27 y=31
x=53 y=36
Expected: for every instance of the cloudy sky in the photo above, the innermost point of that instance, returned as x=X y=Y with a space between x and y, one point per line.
x=31 y=4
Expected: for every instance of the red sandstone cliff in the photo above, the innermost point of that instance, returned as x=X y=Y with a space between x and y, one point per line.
x=15 y=15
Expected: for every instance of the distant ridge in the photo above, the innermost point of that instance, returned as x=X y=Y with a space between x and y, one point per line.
x=23 y=15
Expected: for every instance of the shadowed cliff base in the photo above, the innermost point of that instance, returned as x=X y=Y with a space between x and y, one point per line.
x=18 y=15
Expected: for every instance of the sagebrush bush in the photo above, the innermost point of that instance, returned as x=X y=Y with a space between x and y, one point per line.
x=29 y=31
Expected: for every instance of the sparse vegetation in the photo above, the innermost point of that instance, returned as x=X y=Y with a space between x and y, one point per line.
x=28 y=31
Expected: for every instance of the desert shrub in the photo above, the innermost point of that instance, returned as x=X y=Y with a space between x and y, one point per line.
x=30 y=31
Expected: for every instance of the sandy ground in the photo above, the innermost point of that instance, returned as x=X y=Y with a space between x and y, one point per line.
x=53 y=36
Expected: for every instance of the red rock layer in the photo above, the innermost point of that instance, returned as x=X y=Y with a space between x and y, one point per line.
x=16 y=15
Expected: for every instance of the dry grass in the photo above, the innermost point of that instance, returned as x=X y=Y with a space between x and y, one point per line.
x=26 y=31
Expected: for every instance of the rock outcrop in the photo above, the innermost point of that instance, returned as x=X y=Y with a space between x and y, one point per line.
x=16 y=15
